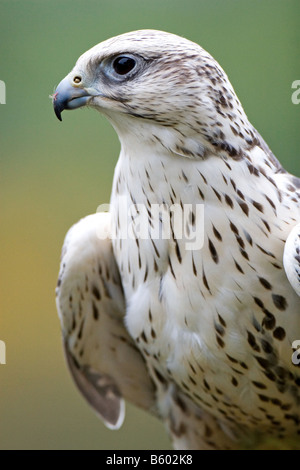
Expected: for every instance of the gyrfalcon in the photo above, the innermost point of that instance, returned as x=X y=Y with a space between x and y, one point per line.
x=184 y=297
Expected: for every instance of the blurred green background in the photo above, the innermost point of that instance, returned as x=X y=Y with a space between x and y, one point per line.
x=54 y=173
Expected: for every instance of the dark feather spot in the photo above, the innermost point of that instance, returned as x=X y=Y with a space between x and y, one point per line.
x=266 y=346
x=144 y=337
x=259 y=385
x=160 y=377
x=252 y=169
x=244 y=254
x=233 y=228
x=179 y=402
x=96 y=292
x=76 y=363
x=203 y=177
x=258 y=302
x=279 y=302
x=219 y=329
x=258 y=206
x=263 y=398
x=263 y=362
x=244 y=207
x=232 y=359
x=95 y=311
x=217 y=194
x=171 y=267
x=207 y=431
x=269 y=321
x=79 y=336
x=217 y=234
x=265 y=251
x=248 y=238
x=266 y=225
x=194 y=267
x=229 y=201
x=265 y=283
x=222 y=321
x=279 y=333
x=270 y=375
x=205 y=281
x=234 y=381
x=146 y=273
x=213 y=251
x=184 y=176
x=155 y=248
x=297 y=381
x=240 y=194
x=252 y=341
x=240 y=241
x=238 y=267
x=243 y=365
x=201 y=193
x=233 y=184
x=177 y=251
x=206 y=385
x=271 y=203
x=191 y=379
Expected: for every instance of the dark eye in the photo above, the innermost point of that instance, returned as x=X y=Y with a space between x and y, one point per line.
x=123 y=65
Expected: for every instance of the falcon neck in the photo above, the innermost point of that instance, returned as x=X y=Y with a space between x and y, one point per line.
x=150 y=177
x=164 y=178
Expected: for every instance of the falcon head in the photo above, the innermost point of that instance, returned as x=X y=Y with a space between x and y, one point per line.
x=160 y=88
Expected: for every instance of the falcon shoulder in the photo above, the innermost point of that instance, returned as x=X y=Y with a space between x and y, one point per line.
x=102 y=358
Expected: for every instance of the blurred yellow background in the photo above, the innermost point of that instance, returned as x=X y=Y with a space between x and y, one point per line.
x=53 y=173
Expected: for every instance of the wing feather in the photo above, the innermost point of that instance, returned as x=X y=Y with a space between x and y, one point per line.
x=102 y=358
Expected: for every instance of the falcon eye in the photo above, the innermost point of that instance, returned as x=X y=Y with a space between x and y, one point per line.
x=123 y=65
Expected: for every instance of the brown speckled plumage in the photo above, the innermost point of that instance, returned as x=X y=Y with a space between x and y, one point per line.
x=200 y=337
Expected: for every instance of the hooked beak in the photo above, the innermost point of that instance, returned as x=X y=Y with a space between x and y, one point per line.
x=67 y=96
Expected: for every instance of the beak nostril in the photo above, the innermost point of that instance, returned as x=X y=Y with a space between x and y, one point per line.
x=69 y=95
x=77 y=79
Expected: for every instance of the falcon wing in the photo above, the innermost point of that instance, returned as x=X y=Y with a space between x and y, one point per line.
x=291 y=258
x=102 y=358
